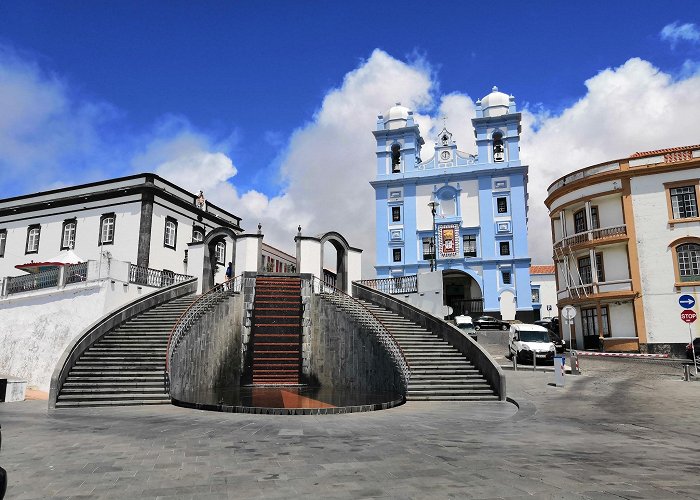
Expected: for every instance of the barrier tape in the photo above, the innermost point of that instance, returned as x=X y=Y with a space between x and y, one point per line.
x=623 y=355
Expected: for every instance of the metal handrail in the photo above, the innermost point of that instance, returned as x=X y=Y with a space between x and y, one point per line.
x=37 y=281
x=399 y=284
x=366 y=318
x=196 y=310
x=591 y=235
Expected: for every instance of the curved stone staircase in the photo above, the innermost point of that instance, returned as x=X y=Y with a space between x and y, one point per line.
x=439 y=372
x=126 y=366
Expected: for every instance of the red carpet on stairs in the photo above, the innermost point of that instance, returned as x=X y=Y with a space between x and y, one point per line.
x=276 y=331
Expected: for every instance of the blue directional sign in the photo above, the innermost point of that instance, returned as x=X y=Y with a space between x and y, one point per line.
x=686 y=301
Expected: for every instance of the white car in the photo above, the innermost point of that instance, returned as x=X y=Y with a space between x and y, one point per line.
x=528 y=341
x=466 y=324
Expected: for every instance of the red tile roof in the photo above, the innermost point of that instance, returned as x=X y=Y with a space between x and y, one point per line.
x=541 y=269
x=663 y=151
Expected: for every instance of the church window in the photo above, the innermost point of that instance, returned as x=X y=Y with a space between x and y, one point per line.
x=197 y=234
x=397 y=254
x=107 y=229
x=395 y=158
x=170 y=236
x=3 y=241
x=428 y=249
x=469 y=245
x=505 y=275
x=502 y=205
x=395 y=214
x=504 y=248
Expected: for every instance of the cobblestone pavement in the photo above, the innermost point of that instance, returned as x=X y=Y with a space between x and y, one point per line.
x=608 y=434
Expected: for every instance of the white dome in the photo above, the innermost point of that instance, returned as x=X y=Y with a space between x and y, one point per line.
x=396 y=116
x=496 y=103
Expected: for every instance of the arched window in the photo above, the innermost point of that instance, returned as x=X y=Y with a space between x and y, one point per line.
x=395 y=158
x=498 y=149
x=688 y=260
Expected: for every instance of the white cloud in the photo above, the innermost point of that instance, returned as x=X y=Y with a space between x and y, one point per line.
x=676 y=32
x=634 y=107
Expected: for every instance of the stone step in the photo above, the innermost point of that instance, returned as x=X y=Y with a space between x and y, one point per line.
x=112 y=382
x=437 y=388
x=133 y=402
x=483 y=397
x=110 y=396
x=119 y=390
x=445 y=370
x=79 y=373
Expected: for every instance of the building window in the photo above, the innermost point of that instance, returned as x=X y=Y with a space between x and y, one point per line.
x=683 y=202
x=589 y=322
x=221 y=252
x=68 y=234
x=428 y=249
x=197 y=234
x=580 y=222
x=505 y=275
x=170 y=236
x=107 y=223
x=33 y=233
x=397 y=254
x=688 y=256
x=535 y=295
x=504 y=248
x=469 y=245
x=502 y=205
x=395 y=214
x=3 y=241
x=586 y=272
x=448 y=202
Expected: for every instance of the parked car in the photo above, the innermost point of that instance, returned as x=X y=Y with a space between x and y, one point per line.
x=695 y=347
x=486 y=322
x=529 y=342
x=559 y=344
x=550 y=324
x=466 y=324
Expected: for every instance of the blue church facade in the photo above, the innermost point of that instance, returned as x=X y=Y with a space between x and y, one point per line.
x=462 y=215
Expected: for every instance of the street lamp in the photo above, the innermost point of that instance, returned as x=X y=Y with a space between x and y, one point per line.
x=433 y=204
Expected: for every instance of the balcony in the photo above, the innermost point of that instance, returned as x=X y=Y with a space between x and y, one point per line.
x=596 y=290
x=595 y=235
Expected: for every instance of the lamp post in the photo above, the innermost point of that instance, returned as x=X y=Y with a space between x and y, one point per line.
x=433 y=210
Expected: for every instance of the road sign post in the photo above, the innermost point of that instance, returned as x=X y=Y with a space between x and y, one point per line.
x=689 y=317
x=686 y=301
x=569 y=313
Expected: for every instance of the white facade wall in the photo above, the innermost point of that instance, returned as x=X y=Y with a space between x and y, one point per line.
x=424 y=218
x=469 y=202
x=615 y=265
x=548 y=294
x=660 y=297
x=622 y=320
x=585 y=192
x=126 y=233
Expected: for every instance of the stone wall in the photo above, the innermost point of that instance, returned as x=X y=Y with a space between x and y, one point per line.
x=210 y=355
x=344 y=355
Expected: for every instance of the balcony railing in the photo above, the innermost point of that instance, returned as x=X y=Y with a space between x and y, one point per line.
x=76 y=273
x=154 y=277
x=586 y=289
x=592 y=235
x=44 y=279
x=400 y=284
x=582 y=174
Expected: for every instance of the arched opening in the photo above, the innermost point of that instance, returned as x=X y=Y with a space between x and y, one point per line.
x=462 y=293
x=498 y=149
x=334 y=271
x=447 y=197
x=219 y=251
x=395 y=158
x=507 y=305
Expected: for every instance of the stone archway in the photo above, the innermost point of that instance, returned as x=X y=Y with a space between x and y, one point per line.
x=462 y=292
x=211 y=240
x=341 y=247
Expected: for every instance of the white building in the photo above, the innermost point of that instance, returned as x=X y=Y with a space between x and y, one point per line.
x=544 y=291
x=142 y=219
x=627 y=244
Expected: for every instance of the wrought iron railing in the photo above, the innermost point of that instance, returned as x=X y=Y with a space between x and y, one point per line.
x=75 y=273
x=400 y=284
x=362 y=314
x=154 y=277
x=196 y=310
x=44 y=279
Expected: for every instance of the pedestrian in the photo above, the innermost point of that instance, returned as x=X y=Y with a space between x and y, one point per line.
x=229 y=274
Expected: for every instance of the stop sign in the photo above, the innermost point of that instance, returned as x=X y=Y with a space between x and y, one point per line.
x=689 y=316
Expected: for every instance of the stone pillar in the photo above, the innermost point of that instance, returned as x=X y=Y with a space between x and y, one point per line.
x=196 y=264
x=354 y=268
x=248 y=253
x=309 y=255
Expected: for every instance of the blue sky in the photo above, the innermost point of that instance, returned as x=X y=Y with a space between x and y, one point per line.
x=133 y=86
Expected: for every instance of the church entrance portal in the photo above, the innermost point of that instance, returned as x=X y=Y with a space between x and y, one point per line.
x=462 y=293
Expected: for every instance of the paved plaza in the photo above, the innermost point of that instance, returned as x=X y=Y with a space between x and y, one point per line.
x=626 y=432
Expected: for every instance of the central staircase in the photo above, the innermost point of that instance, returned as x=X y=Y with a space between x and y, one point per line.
x=439 y=372
x=276 y=331
x=126 y=366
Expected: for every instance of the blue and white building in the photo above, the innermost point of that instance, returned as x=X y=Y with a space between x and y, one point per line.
x=477 y=238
